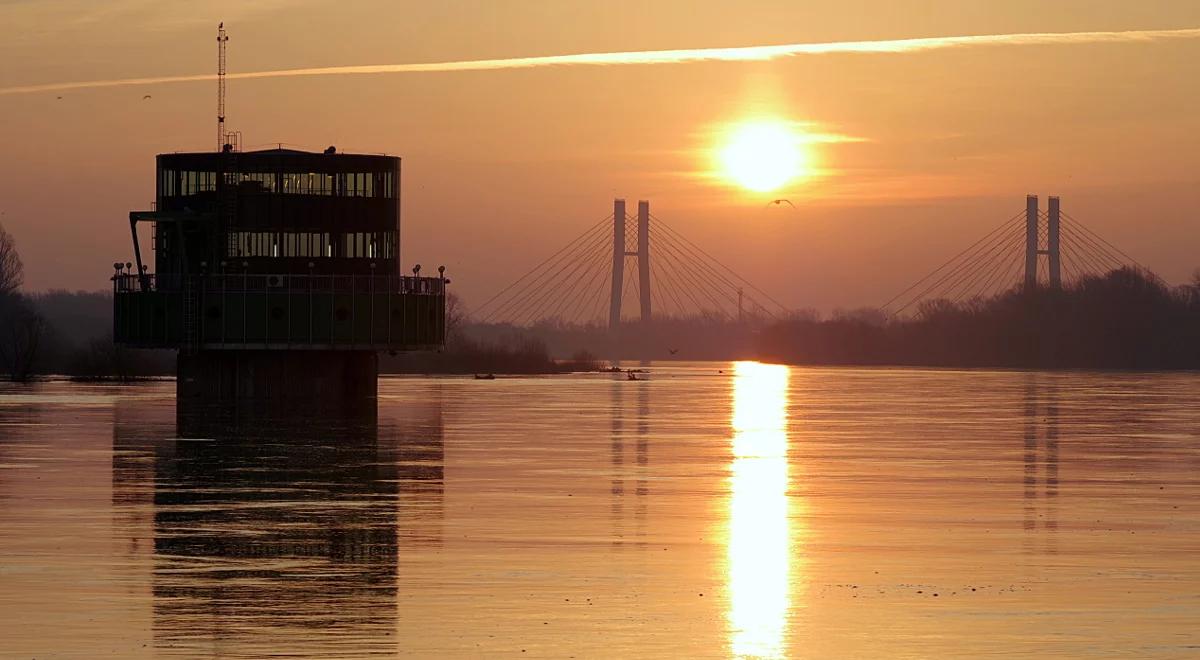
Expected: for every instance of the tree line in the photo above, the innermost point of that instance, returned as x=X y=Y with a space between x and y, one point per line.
x=1125 y=319
x=61 y=332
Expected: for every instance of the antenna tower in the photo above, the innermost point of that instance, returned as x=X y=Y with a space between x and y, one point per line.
x=221 y=39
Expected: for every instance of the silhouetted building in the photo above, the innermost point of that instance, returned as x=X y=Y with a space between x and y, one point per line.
x=276 y=274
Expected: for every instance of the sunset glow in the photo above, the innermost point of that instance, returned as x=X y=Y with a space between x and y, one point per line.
x=763 y=156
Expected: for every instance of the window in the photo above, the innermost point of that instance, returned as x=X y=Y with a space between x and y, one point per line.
x=343 y=184
x=257 y=181
x=168 y=183
x=389 y=190
x=192 y=183
x=278 y=244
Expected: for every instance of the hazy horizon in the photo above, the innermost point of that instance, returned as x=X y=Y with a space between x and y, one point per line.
x=911 y=155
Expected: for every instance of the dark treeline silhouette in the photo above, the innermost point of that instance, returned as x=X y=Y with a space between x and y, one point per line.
x=70 y=334
x=1126 y=319
x=467 y=351
x=525 y=355
x=60 y=332
x=700 y=337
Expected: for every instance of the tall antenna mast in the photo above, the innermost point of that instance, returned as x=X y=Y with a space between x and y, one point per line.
x=221 y=39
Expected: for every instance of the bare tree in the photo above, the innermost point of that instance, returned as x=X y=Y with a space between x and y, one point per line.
x=1191 y=290
x=12 y=272
x=22 y=330
x=456 y=315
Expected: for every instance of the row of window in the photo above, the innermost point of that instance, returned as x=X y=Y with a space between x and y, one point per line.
x=176 y=183
x=355 y=245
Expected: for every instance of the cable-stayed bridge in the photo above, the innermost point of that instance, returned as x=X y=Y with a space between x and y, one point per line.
x=1032 y=249
x=609 y=274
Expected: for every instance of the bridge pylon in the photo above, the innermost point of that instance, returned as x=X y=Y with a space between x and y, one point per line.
x=1033 y=243
x=621 y=252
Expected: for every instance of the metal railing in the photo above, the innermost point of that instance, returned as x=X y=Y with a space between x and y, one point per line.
x=280 y=283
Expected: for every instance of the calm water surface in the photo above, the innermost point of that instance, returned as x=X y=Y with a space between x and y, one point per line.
x=710 y=510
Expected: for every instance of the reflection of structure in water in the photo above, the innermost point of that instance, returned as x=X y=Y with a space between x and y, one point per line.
x=620 y=463
x=282 y=529
x=1041 y=424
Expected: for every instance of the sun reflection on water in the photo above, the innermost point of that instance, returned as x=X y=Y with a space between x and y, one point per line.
x=759 y=532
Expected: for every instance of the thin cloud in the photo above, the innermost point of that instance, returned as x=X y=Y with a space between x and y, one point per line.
x=682 y=56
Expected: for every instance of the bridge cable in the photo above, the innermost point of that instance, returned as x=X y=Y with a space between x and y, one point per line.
x=1101 y=260
x=951 y=279
x=719 y=263
x=573 y=304
x=684 y=280
x=710 y=280
x=962 y=268
x=988 y=272
x=546 y=293
x=1000 y=276
x=566 y=247
x=536 y=288
x=980 y=272
x=707 y=271
x=1118 y=250
x=590 y=263
x=692 y=287
x=679 y=308
x=953 y=259
x=699 y=272
x=992 y=239
x=673 y=281
x=690 y=257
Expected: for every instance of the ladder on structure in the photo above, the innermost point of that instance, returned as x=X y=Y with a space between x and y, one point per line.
x=190 y=339
x=228 y=202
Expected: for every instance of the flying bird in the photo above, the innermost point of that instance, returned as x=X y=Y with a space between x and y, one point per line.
x=145 y=97
x=672 y=351
x=780 y=202
x=59 y=98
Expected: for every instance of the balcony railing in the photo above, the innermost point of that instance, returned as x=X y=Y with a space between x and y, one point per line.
x=279 y=312
x=279 y=283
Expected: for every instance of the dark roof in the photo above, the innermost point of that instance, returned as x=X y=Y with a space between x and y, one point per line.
x=287 y=159
x=280 y=150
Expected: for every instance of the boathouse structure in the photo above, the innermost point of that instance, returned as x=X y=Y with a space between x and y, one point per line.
x=276 y=274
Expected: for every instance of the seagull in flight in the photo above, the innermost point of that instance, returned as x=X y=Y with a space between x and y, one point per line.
x=780 y=202
x=672 y=351
x=145 y=97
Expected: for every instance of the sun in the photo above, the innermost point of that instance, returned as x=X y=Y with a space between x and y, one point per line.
x=763 y=155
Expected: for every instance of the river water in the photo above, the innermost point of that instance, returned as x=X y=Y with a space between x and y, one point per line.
x=707 y=510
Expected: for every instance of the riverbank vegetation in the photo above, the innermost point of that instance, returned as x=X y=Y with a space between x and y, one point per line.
x=1125 y=319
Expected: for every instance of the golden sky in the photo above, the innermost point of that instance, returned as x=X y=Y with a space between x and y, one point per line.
x=916 y=152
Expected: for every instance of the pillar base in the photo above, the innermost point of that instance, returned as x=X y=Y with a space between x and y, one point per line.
x=319 y=377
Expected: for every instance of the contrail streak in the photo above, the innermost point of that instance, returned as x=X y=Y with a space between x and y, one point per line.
x=737 y=54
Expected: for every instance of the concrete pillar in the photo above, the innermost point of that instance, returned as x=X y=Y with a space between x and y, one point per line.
x=618 y=265
x=1031 y=242
x=644 y=258
x=314 y=377
x=1052 y=245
